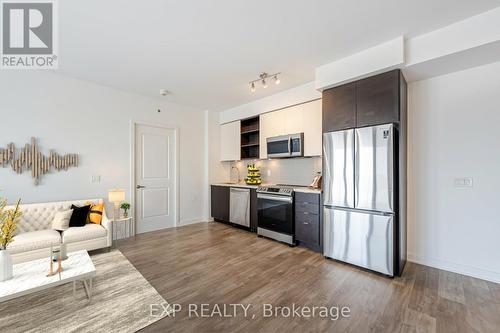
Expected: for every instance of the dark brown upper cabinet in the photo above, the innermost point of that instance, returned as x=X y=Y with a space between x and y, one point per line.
x=367 y=102
x=377 y=99
x=339 y=108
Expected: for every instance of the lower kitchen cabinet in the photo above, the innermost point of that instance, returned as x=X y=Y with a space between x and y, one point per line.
x=308 y=222
x=220 y=203
x=253 y=210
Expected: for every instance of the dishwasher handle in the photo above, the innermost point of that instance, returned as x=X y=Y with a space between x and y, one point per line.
x=237 y=189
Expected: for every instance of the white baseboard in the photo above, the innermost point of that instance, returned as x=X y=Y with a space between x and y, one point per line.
x=456 y=268
x=191 y=221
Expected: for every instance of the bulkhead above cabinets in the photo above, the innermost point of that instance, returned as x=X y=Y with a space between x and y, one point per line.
x=247 y=138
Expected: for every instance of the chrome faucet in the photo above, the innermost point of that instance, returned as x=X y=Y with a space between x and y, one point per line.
x=238 y=170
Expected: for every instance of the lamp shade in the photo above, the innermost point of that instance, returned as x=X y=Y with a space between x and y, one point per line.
x=116 y=196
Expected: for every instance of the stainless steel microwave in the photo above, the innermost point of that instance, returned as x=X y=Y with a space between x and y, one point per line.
x=291 y=145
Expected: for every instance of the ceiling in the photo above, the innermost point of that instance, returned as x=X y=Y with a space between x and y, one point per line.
x=205 y=52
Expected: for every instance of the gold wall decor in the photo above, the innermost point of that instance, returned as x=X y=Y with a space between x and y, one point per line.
x=30 y=158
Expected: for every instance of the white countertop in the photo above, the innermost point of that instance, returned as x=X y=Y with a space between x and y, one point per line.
x=243 y=185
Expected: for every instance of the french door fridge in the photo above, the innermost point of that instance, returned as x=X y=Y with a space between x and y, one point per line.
x=359 y=214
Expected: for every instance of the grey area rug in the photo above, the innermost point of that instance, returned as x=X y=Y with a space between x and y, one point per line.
x=121 y=302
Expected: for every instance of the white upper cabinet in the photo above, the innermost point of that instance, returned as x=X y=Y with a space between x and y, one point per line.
x=312 y=122
x=304 y=118
x=294 y=119
x=230 y=141
x=271 y=124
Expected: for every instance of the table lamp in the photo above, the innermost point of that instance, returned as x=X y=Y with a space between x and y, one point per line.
x=116 y=197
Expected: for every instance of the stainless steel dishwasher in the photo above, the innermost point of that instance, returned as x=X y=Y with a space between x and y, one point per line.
x=239 y=206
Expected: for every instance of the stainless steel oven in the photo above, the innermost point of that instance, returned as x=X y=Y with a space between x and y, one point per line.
x=291 y=145
x=275 y=214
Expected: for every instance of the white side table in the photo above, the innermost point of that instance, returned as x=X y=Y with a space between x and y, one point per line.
x=123 y=227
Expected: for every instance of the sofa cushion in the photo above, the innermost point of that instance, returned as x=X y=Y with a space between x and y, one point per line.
x=61 y=220
x=34 y=240
x=79 y=216
x=95 y=213
x=89 y=231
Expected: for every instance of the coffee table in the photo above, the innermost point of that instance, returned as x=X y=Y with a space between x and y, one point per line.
x=31 y=276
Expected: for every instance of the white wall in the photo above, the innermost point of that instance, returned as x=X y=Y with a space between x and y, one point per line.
x=454 y=126
x=369 y=62
x=73 y=116
x=301 y=94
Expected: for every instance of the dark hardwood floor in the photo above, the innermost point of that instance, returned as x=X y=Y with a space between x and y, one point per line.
x=218 y=264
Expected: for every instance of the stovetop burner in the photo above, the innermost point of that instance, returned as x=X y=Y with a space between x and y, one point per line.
x=275 y=189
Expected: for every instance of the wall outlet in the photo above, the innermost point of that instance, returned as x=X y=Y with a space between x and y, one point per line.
x=269 y=172
x=463 y=182
x=95 y=179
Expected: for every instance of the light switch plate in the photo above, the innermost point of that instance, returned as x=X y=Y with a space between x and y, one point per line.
x=464 y=182
x=95 y=179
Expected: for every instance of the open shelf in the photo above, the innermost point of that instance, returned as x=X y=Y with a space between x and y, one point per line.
x=250 y=146
x=250 y=131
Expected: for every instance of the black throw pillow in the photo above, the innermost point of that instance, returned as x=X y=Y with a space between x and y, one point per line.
x=79 y=216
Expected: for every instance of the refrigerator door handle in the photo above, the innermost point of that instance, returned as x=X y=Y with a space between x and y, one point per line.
x=357 y=210
x=356 y=168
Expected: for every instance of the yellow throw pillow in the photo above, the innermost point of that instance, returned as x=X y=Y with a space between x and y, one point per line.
x=95 y=213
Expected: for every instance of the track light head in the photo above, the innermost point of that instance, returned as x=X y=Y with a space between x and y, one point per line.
x=263 y=77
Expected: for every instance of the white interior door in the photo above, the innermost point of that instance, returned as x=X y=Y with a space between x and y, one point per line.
x=155 y=178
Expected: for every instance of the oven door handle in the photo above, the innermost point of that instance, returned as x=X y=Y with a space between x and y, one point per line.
x=275 y=198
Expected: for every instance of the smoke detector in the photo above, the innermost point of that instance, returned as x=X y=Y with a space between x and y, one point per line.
x=164 y=92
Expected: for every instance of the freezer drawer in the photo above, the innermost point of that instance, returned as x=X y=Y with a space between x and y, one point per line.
x=338 y=168
x=374 y=168
x=360 y=239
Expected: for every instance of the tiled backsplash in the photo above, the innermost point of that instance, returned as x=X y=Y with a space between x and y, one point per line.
x=293 y=171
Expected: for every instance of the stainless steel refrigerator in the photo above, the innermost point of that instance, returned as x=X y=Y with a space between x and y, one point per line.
x=359 y=197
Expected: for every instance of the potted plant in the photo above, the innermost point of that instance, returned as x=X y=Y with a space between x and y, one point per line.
x=125 y=206
x=8 y=220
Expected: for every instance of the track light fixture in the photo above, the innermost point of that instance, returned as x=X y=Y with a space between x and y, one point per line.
x=263 y=79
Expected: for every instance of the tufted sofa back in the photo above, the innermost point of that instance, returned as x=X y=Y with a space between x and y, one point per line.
x=39 y=216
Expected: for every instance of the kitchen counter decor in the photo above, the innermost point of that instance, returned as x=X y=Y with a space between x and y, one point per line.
x=253 y=176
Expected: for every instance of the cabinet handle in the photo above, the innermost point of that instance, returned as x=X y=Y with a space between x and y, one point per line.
x=306 y=222
x=306 y=213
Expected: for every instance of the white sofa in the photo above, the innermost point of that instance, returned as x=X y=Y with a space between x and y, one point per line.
x=34 y=235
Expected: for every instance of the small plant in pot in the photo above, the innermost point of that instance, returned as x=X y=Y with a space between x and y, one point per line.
x=125 y=206
x=8 y=221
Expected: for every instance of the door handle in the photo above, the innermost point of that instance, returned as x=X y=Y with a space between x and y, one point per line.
x=140 y=186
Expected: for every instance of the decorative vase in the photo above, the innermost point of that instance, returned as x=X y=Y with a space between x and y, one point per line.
x=125 y=214
x=5 y=266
